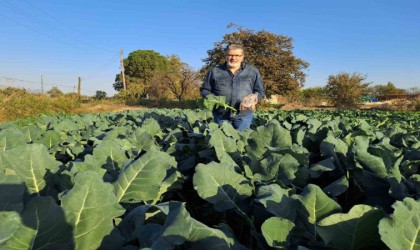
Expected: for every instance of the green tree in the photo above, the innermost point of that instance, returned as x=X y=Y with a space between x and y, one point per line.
x=282 y=72
x=314 y=92
x=314 y=96
x=345 y=90
x=54 y=92
x=100 y=95
x=140 y=68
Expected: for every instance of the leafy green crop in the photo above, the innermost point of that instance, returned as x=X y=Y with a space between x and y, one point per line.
x=212 y=101
x=174 y=179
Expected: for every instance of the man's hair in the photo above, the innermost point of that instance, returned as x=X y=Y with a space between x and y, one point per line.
x=233 y=46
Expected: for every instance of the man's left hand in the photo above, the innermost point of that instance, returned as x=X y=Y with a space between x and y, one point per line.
x=249 y=102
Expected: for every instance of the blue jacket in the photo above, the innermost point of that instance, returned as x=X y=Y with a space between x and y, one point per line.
x=221 y=82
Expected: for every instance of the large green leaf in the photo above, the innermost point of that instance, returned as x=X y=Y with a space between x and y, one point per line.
x=230 y=131
x=357 y=229
x=221 y=185
x=43 y=227
x=11 y=138
x=151 y=126
x=141 y=180
x=142 y=140
x=276 y=166
x=402 y=229
x=11 y=193
x=268 y=168
x=32 y=164
x=31 y=133
x=337 y=149
x=90 y=207
x=276 y=232
x=270 y=135
x=167 y=225
x=50 y=138
x=223 y=145
x=390 y=155
x=337 y=187
x=205 y=237
x=313 y=125
x=10 y=222
x=277 y=201
x=316 y=206
x=317 y=169
x=384 y=163
x=176 y=229
x=108 y=155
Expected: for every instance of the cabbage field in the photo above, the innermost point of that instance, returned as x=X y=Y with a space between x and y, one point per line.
x=173 y=179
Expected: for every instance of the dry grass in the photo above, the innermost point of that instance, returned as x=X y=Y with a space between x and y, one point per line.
x=105 y=107
x=21 y=105
x=18 y=104
x=394 y=105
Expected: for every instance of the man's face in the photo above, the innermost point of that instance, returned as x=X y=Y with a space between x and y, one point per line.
x=234 y=58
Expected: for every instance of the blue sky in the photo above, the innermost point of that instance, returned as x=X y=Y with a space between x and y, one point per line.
x=62 y=40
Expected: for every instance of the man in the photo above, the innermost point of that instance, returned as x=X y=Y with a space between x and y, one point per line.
x=240 y=83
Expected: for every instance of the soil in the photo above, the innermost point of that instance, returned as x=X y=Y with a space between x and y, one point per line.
x=107 y=108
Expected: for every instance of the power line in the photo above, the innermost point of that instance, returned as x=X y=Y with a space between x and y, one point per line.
x=32 y=82
x=39 y=32
x=102 y=68
x=42 y=24
x=66 y=25
x=15 y=80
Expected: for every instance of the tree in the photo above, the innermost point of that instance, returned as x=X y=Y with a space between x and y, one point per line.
x=345 y=90
x=140 y=67
x=100 y=95
x=388 y=89
x=270 y=53
x=54 y=92
x=180 y=79
x=413 y=90
x=314 y=92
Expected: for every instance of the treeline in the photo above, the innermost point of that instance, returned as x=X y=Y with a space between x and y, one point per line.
x=151 y=75
x=346 y=90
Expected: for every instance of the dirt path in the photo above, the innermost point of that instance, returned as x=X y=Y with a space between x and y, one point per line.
x=106 y=108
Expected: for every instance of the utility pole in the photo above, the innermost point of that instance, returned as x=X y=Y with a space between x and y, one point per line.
x=122 y=68
x=42 y=85
x=78 y=87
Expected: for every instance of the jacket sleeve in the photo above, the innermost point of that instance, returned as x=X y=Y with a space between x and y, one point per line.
x=206 y=87
x=258 y=86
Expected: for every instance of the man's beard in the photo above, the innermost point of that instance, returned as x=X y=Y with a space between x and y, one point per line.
x=233 y=65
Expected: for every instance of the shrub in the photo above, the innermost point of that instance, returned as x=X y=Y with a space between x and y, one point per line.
x=345 y=90
x=416 y=104
x=314 y=97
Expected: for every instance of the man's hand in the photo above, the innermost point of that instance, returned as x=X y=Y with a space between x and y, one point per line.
x=249 y=102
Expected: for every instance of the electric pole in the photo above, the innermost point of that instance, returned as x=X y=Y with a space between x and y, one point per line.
x=78 y=87
x=42 y=85
x=122 y=68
